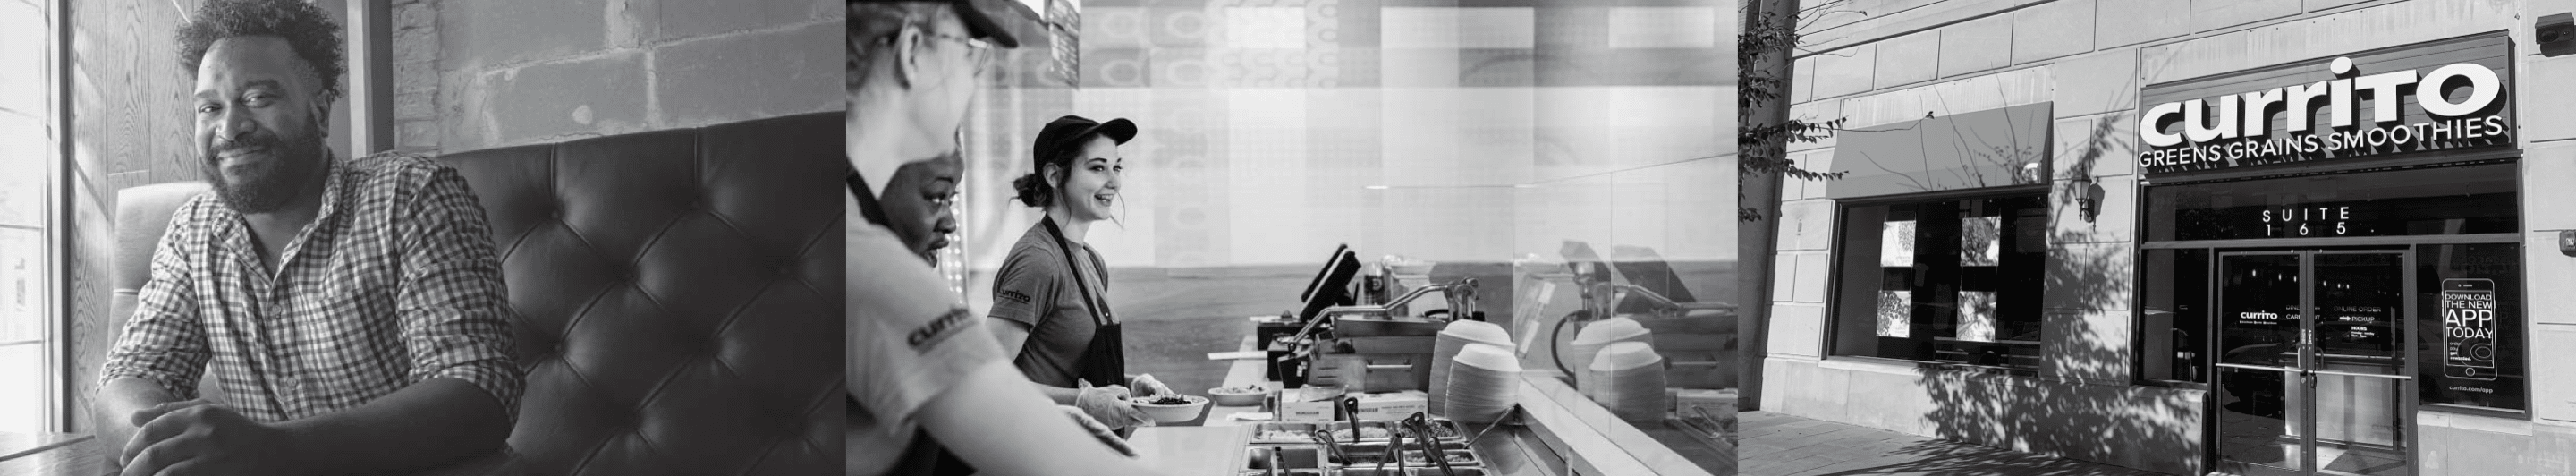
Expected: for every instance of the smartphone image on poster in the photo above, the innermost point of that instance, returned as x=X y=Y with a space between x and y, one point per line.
x=2469 y=314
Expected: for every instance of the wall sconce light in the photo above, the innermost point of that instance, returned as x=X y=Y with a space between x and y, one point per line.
x=2088 y=197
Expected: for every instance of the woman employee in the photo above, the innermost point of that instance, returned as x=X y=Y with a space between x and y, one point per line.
x=919 y=369
x=1051 y=296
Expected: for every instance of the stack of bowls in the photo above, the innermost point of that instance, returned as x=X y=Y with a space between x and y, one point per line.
x=1598 y=335
x=1628 y=379
x=1445 y=349
x=1482 y=385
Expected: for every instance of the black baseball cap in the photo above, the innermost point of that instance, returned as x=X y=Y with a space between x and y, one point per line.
x=1071 y=131
x=978 y=16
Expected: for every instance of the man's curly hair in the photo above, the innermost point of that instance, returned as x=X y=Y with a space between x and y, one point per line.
x=306 y=28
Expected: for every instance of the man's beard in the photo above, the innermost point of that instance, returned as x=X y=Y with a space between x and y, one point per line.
x=269 y=185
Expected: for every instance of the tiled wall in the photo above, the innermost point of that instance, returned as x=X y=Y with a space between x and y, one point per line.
x=1442 y=130
x=514 y=72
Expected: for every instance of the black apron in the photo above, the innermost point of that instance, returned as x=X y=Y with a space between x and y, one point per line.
x=1104 y=363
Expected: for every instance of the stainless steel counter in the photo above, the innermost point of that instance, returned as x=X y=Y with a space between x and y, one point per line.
x=1556 y=433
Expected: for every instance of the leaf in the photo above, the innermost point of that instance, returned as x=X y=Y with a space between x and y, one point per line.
x=1762 y=148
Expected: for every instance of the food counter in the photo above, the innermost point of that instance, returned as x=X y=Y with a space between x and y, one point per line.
x=1555 y=431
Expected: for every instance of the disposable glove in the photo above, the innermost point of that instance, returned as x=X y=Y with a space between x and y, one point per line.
x=1110 y=405
x=1144 y=385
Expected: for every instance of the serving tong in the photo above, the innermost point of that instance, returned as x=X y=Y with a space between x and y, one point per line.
x=1418 y=425
x=1705 y=423
x=1332 y=449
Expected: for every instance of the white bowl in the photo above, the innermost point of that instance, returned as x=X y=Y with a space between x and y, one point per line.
x=1488 y=357
x=1625 y=355
x=1173 y=413
x=1610 y=330
x=1239 y=399
x=1478 y=331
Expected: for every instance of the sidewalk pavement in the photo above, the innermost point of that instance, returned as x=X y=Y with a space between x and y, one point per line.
x=1773 y=444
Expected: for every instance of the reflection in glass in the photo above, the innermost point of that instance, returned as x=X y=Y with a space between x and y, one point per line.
x=2174 y=318
x=2258 y=306
x=2258 y=310
x=2253 y=419
x=2358 y=297
x=2360 y=420
x=2362 y=426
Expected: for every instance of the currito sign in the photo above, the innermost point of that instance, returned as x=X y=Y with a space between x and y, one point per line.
x=2443 y=96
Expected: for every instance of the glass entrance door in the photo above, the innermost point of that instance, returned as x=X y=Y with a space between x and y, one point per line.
x=2312 y=368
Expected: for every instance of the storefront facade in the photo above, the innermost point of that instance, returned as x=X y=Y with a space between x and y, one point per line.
x=2190 y=237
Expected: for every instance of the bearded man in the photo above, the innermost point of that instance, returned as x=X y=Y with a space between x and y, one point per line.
x=350 y=311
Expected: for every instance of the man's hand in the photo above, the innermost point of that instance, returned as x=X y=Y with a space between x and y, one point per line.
x=198 y=437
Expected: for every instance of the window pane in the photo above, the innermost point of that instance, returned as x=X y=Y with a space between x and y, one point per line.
x=2470 y=349
x=1949 y=281
x=2173 y=329
x=26 y=160
x=22 y=406
x=21 y=277
x=22 y=331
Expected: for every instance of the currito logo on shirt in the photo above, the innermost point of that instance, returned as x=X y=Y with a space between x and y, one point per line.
x=940 y=329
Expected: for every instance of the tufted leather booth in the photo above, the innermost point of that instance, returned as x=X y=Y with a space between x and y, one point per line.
x=677 y=294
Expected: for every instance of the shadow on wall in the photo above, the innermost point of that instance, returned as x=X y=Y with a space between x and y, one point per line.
x=2081 y=407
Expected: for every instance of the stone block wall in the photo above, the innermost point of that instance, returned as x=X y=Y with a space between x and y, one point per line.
x=1878 y=62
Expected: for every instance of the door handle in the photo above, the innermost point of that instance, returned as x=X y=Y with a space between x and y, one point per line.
x=2351 y=374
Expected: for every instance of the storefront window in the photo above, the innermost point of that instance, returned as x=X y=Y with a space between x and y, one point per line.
x=2174 y=318
x=1943 y=281
x=2467 y=297
x=2469 y=302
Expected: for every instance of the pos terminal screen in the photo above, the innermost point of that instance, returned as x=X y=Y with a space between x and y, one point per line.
x=1332 y=284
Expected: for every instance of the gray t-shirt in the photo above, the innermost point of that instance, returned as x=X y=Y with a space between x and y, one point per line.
x=1033 y=288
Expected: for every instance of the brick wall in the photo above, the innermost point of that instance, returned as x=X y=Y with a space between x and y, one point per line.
x=415 y=57
x=510 y=73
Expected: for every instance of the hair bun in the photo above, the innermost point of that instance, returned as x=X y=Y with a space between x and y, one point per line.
x=1034 y=190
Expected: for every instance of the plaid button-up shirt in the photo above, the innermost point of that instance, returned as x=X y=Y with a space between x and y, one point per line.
x=393 y=283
